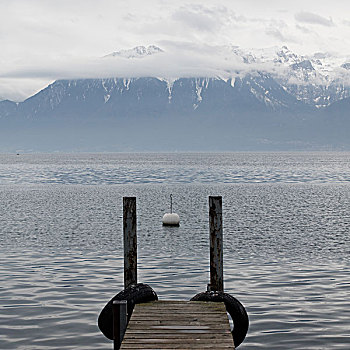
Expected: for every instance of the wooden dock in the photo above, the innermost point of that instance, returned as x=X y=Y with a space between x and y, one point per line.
x=201 y=323
x=178 y=325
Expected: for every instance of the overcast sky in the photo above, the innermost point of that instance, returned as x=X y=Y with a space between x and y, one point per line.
x=45 y=40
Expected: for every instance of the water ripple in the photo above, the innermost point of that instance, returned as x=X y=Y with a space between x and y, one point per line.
x=109 y=169
x=286 y=248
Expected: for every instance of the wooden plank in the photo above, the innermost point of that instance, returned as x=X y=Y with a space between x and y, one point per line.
x=185 y=345
x=190 y=306
x=175 y=335
x=177 y=318
x=178 y=325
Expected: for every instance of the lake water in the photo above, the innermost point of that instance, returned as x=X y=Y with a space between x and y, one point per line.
x=286 y=242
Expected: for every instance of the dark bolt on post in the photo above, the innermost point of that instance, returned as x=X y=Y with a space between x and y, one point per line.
x=119 y=322
x=130 y=241
x=216 y=244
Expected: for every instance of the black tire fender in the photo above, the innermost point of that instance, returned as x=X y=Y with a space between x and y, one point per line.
x=234 y=308
x=134 y=294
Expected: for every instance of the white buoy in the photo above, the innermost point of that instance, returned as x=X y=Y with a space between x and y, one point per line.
x=171 y=219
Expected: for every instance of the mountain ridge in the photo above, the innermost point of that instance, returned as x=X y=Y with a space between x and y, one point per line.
x=254 y=110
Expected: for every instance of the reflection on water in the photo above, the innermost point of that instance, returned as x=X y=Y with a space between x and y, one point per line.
x=286 y=250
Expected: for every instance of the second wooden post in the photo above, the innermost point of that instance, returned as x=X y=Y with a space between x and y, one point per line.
x=130 y=241
x=216 y=244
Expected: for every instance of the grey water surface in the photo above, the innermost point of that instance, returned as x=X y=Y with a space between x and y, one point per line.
x=286 y=242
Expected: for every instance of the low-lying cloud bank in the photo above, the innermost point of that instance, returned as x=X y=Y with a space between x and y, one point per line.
x=189 y=62
x=178 y=60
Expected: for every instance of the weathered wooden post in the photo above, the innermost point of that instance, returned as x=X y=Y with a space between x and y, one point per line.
x=130 y=241
x=216 y=244
x=119 y=322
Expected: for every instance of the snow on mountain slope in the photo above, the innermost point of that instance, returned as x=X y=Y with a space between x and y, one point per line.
x=269 y=80
x=136 y=52
x=317 y=80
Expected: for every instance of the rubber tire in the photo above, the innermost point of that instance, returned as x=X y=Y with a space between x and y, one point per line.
x=234 y=308
x=134 y=294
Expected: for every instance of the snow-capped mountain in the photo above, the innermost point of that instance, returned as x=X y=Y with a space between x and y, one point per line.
x=317 y=80
x=279 y=99
x=136 y=52
x=113 y=98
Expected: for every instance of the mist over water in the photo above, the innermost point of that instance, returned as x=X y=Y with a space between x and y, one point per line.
x=286 y=242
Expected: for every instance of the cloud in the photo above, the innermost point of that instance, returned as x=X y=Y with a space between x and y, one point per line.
x=281 y=32
x=276 y=33
x=53 y=39
x=180 y=59
x=313 y=18
x=304 y=29
x=192 y=61
x=199 y=17
x=195 y=22
x=18 y=89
